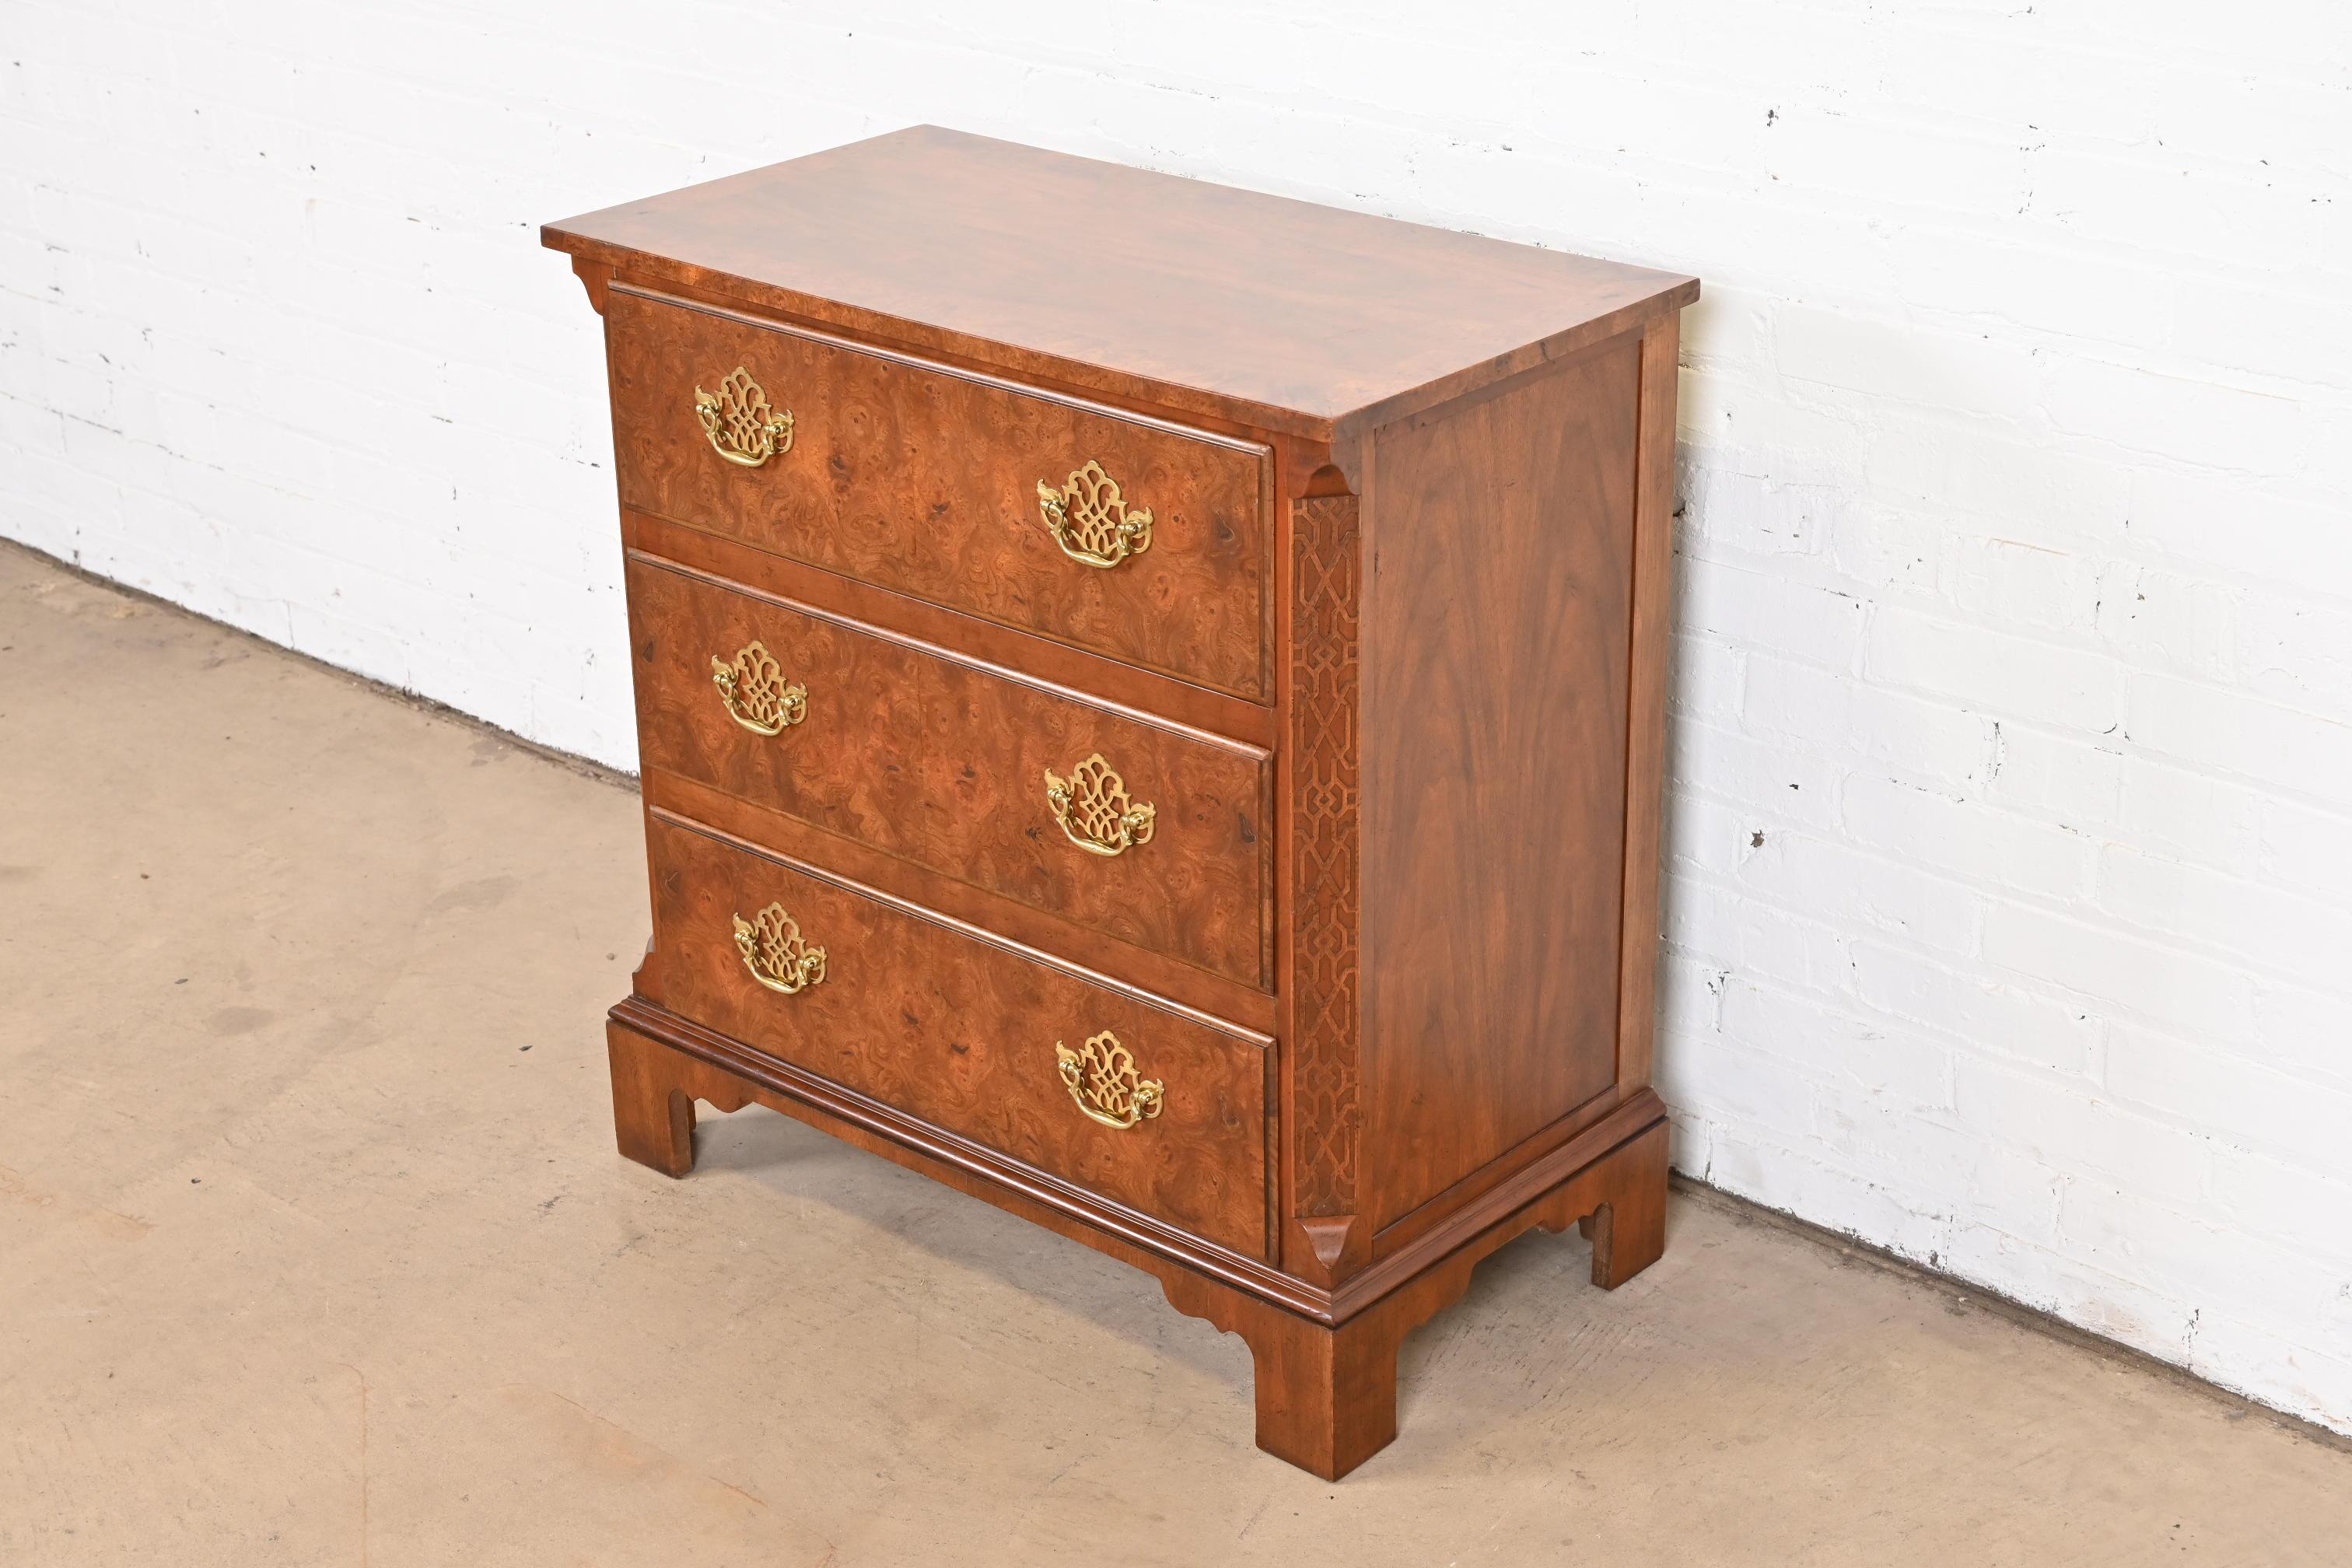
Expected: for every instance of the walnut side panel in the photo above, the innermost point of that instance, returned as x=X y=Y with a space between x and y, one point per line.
x=1645 y=751
x=1497 y=626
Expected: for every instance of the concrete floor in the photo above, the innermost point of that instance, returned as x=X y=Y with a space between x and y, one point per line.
x=317 y=1249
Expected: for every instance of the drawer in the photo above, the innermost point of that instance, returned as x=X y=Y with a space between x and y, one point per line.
x=946 y=762
x=926 y=480
x=967 y=1034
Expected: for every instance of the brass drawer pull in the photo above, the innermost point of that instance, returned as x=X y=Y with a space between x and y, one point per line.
x=1089 y=520
x=773 y=951
x=737 y=419
x=756 y=693
x=1091 y=804
x=1101 y=1079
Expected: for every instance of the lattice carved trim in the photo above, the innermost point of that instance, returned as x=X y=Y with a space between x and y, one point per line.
x=1326 y=644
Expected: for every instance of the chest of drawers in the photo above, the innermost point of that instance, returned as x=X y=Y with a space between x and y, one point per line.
x=1152 y=701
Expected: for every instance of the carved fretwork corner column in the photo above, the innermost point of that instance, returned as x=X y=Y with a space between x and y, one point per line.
x=1324 y=1241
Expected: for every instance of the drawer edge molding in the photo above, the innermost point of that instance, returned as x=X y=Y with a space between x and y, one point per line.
x=1252 y=1006
x=1501 y=1206
x=924 y=477
x=1056 y=664
x=1470 y=1234
x=1250 y=750
x=943 y=367
x=894 y=1126
x=965 y=929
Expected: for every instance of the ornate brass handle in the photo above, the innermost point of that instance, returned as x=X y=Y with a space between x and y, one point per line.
x=1101 y=1079
x=773 y=951
x=756 y=693
x=737 y=419
x=1091 y=804
x=1090 y=522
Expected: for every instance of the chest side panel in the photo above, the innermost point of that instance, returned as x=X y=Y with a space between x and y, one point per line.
x=1496 y=630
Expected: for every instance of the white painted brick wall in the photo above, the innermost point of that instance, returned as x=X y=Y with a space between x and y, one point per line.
x=2011 y=817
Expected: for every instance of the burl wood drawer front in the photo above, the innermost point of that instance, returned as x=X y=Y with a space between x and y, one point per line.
x=967 y=1034
x=946 y=762
x=926 y=480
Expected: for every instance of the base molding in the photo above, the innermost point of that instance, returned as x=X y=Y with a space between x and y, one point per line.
x=1327 y=1392
x=1325 y=1361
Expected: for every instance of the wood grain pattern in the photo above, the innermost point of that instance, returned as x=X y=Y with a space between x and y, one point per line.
x=1535 y=1152
x=653 y=1113
x=1279 y=313
x=1026 y=925
x=1628 y=1230
x=1493 y=768
x=1645 y=729
x=942 y=763
x=1043 y=658
x=959 y=1033
x=925 y=481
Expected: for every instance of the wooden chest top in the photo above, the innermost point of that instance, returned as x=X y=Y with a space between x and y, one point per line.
x=1274 y=313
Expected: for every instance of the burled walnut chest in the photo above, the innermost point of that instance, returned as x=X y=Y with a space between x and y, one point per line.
x=1150 y=700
